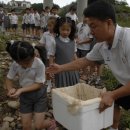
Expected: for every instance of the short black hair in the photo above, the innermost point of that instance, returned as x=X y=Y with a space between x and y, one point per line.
x=20 y=50
x=55 y=7
x=43 y=53
x=101 y=10
x=63 y=20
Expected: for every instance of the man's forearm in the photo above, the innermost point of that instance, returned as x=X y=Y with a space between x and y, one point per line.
x=121 y=92
x=76 y=65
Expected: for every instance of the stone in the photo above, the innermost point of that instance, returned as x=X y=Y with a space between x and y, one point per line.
x=13 y=104
x=8 y=119
x=5 y=126
x=12 y=124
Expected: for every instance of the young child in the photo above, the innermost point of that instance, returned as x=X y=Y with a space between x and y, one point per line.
x=72 y=14
x=48 y=40
x=14 y=21
x=54 y=11
x=32 y=93
x=64 y=51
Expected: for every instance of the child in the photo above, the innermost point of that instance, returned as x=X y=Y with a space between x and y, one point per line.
x=32 y=23
x=64 y=51
x=72 y=14
x=14 y=21
x=37 y=23
x=54 y=11
x=48 y=40
x=32 y=93
x=6 y=22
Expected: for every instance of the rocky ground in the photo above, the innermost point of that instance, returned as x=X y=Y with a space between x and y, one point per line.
x=9 y=109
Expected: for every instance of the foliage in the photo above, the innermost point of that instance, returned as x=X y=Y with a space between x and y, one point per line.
x=38 y=6
x=108 y=79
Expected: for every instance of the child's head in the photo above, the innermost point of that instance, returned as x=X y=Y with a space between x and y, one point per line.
x=55 y=9
x=27 y=10
x=13 y=11
x=72 y=10
x=65 y=27
x=51 y=24
x=41 y=53
x=47 y=9
x=22 y=52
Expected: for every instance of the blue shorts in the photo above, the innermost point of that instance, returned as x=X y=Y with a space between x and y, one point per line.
x=35 y=101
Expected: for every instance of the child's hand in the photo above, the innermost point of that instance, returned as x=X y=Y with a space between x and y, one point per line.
x=11 y=92
x=16 y=94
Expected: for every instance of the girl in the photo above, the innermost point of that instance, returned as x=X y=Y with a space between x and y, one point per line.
x=48 y=40
x=64 y=51
x=32 y=93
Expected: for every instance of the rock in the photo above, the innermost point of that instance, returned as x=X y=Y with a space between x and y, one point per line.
x=127 y=129
x=13 y=104
x=5 y=126
x=8 y=119
x=12 y=124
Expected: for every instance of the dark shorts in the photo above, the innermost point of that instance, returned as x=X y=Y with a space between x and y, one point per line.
x=14 y=26
x=24 y=26
x=27 y=26
x=82 y=53
x=38 y=27
x=32 y=26
x=100 y=62
x=35 y=101
x=124 y=102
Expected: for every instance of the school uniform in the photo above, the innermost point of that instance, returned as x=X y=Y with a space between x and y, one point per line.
x=37 y=20
x=49 y=41
x=64 y=51
x=117 y=58
x=27 y=20
x=72 y=16
x=14 y=21
x=83 y=33
x=35 y=101
x=32 y=20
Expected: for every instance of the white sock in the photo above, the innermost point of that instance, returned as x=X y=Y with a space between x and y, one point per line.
x=112 y=128
x=49 y=85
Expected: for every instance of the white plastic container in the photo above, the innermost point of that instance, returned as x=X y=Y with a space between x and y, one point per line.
x=76 y=111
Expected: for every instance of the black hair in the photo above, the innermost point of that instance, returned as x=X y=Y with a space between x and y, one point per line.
x=55 y=7
x=47 y=7
x=63 y=20
x=101 y=10
x=43 y=53
x=73 y=8
x=20 y=50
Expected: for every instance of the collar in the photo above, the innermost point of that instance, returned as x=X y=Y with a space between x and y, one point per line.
x=64 y=39
x=116 y=37
x=34 y=64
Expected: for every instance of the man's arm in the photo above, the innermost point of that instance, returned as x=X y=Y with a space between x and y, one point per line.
x=75 y=65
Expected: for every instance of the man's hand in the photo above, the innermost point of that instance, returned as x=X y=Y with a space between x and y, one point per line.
x=107 y=100
x=54 y=68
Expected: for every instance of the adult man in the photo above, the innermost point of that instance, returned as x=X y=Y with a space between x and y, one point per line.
x=113 y=47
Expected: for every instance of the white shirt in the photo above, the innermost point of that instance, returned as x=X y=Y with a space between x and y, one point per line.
x=37 y=19
x=32 y=19
x=83 y=34
x=14 y=19
x=43 y=21
x=27 y=18
x=34 y=74
x=72 y=16
x=118 y=57
x=49 y=41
